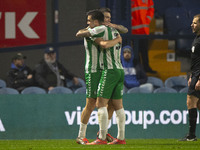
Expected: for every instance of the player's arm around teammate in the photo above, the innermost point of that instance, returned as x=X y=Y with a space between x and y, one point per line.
x=103 y=43
x=83 y=33
x=110 y=43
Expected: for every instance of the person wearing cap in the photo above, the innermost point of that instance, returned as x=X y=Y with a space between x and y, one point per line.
x=50 y=73
x=135 y=75
x=20 y=75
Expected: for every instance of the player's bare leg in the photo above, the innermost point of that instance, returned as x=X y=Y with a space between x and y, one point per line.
x=111 y=109
x=85 y=115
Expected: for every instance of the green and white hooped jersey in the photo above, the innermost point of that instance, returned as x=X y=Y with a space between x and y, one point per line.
x=108 y=58
x=91 y=55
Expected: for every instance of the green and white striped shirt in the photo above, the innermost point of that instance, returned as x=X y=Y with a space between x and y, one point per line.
x=91 y=55
x=108 y=58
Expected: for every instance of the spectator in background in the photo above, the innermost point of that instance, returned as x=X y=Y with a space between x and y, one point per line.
x=135 y=75
x=49 y=73
x=19 y=76
x=142 y=12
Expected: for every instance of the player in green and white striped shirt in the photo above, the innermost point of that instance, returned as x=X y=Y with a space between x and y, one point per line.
x=121 y=29
x=92 y=73
x=111 y=83
x=109 y=58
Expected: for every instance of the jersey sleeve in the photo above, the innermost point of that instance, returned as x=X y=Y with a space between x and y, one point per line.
x=98 y=31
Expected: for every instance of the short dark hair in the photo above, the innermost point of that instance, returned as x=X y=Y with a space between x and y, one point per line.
x=96 y=15
x=105 y=9
x=197 y=16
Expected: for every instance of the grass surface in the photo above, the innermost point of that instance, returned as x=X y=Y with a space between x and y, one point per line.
x=137 y=144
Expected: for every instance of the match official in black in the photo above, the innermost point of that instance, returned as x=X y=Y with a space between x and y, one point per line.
x=193 y=94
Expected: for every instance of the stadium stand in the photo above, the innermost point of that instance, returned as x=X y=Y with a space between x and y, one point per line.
x=162 y=5
x=60 y=90
x=7 y=90
x=70 y=84
x=175 y=19
x=140 y=89
x=125 y=89
x=33 y=90
x=164 y=90
x=156 y=82
x=81 y=90
x=189 y=4
x=184 y=90
x=193 y=11
x=2 y=83
x=183 y=46
x=176 y=83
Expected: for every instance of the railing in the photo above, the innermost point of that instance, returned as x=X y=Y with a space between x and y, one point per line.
x=126 y=37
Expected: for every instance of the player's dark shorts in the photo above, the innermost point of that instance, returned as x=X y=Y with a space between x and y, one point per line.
x=191 y=89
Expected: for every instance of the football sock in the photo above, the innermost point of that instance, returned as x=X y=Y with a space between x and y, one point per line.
x=120 y=117
x=192 y=120
x=82 y=130
x=103 y=119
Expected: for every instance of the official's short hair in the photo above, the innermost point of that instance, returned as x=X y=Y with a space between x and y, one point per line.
x=197 y=16
x=105 y=9
x=96 y=15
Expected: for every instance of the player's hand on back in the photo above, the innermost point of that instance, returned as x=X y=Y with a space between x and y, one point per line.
x=119 y=38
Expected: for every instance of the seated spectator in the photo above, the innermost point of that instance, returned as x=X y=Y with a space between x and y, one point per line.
x=19 y=76
x=50 y=73
x=135 y=75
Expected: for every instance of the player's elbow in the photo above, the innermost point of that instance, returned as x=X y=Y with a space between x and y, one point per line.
x=78 y=34
x=124 y=31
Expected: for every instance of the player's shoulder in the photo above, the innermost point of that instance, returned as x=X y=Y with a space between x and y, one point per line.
x=97 y=29
x=100 y=28
x=103 y=28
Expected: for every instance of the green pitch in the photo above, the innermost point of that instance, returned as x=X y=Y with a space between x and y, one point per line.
x=137 y=144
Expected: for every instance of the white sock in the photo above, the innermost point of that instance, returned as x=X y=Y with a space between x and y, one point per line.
x=103 y=119
x=82 y=130
x=120 y=117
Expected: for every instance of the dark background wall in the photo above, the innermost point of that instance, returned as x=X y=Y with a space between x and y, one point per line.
x=71 y=18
